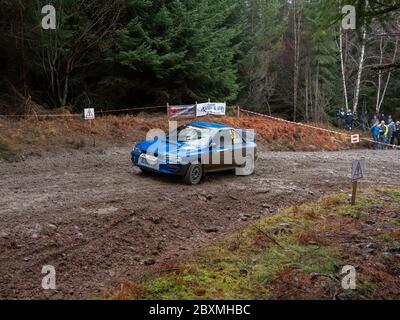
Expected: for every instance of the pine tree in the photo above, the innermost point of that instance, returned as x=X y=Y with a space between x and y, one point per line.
x=177 y=51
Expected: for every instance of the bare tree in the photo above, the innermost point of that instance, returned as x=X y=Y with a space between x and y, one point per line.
x=297 y=24
x=381 y=96
x=361 y=64
x=342 y=63
x=60 y=60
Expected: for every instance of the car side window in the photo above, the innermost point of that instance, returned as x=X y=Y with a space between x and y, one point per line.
x=223 y=138
x=236 y=137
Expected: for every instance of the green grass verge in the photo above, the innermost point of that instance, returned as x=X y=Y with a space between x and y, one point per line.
x=247 y=263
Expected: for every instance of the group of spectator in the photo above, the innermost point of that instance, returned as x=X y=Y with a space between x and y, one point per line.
x=385 y=131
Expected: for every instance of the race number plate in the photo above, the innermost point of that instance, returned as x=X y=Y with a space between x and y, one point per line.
x=149 y=161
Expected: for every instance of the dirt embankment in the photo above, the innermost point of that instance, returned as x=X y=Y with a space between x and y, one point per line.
x=31 y=136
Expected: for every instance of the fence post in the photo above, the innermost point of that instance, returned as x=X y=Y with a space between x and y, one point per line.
x=168 y=110
x=238 y=112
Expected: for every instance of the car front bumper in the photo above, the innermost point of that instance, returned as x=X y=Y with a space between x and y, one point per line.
x=164 y=167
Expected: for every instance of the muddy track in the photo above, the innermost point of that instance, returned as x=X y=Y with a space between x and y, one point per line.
x=98 y=221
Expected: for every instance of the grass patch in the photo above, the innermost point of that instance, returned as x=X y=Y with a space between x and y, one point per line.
x=4 y=147
x=6 y=151
x=310 y=242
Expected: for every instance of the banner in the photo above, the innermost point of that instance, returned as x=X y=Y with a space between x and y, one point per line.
x=181 y=112
x=210 y=108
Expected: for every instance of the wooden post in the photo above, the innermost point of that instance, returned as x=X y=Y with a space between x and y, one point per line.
x=238 y=112
x=353 y=197
x=168 y=111
x=94 y=137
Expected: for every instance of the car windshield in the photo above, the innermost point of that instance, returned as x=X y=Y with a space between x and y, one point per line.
x=189 y=134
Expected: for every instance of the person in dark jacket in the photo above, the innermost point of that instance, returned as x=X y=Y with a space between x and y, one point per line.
x=398 y=132
x=364 y=121
x=391 y=132
x=349 y=119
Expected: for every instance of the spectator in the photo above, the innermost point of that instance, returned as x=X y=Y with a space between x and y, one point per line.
x=340 y=115
x=391 y=131
x=389 y=120
x=374 y=119
x=383 y=133
x=349 y=119
x=398 y=132
x=364 y=121
x=375 y=134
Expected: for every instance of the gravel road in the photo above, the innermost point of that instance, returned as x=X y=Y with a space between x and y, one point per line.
x=99 y=221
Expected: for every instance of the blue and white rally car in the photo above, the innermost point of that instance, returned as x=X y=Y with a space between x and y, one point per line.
x=197 y=148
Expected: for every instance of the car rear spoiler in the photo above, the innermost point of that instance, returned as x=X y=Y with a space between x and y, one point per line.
x=249 y=136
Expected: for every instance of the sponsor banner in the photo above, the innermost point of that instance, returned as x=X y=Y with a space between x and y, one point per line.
x=210 y=108
x=181 y=112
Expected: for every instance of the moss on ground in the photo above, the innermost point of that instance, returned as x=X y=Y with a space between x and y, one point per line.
x=316 y=238
x=6 y=151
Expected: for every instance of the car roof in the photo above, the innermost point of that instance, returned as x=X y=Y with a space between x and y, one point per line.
x=208 y=125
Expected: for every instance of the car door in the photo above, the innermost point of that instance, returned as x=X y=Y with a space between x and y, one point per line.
x=226 y=148
x=239 y=149
x=220 y=147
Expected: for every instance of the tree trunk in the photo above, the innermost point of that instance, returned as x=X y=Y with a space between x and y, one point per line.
x=360 y=65
x=346 y=97
x=378 y=95
x=307 y=116
x=316 y=102
x=297 y=38
x=382 y=97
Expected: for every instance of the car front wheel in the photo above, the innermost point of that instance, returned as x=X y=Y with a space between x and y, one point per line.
x=248 y=168
x=194 y=174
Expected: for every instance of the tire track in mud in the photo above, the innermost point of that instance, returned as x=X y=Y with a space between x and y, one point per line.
x=99 y=221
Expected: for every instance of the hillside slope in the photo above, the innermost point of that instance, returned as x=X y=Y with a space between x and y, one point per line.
x=27 y=136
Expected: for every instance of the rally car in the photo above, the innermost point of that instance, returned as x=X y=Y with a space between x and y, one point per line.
x=196 y=148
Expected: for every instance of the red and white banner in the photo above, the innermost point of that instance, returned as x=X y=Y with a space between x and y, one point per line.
x=196 y=110
x=181 y=112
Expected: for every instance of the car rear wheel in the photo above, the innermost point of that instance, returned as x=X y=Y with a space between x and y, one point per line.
x=194 y=174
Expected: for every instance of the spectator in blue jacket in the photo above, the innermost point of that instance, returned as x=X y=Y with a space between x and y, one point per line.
x=375 y=129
